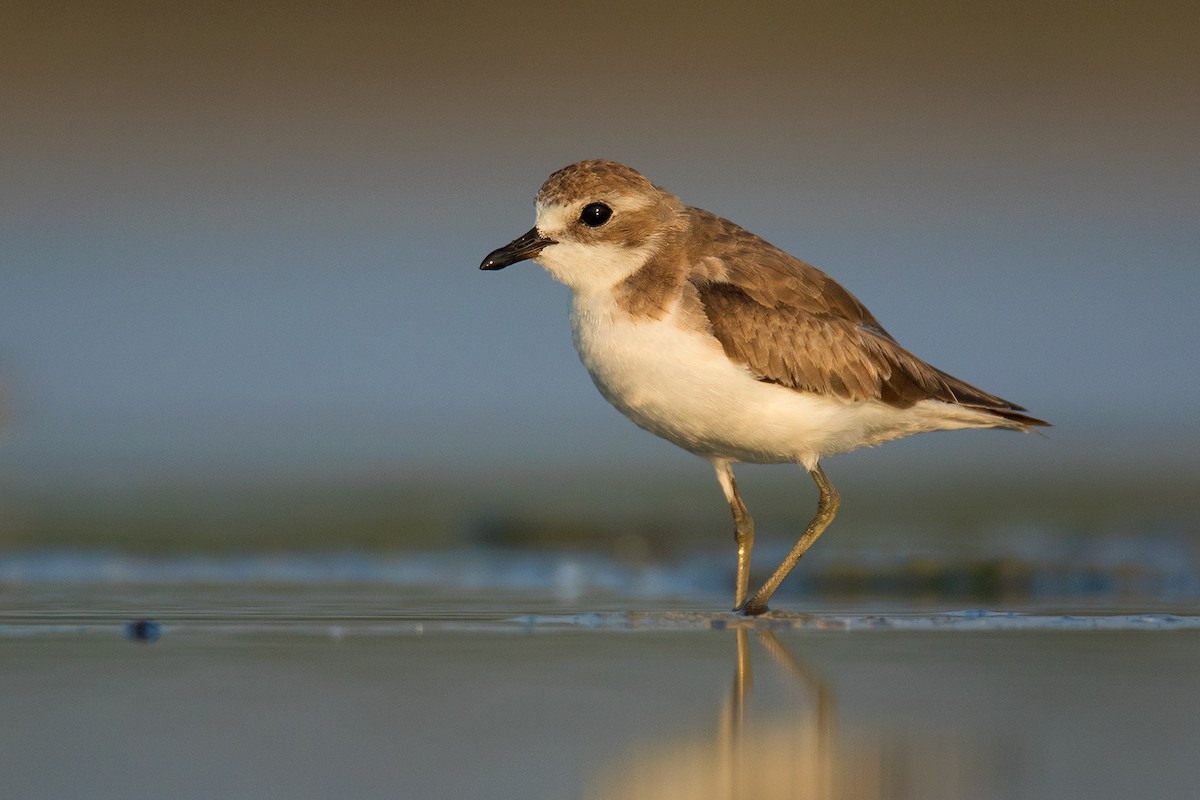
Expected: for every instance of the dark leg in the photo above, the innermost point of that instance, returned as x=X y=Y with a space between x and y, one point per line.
x=743 y=532
x=827 y=507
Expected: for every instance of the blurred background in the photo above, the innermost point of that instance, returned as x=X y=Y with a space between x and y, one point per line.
x=240 y=305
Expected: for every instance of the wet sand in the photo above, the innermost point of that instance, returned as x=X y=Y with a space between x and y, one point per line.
x=265 y=691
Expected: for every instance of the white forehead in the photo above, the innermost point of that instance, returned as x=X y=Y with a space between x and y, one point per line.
x=554 y=217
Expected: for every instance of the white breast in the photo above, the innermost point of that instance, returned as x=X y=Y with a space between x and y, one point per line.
x=678 y=383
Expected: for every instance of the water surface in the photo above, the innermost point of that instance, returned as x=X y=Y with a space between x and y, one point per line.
x=344 y=688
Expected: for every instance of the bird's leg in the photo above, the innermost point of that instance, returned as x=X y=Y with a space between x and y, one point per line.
x=827 y=507
x=743 y=529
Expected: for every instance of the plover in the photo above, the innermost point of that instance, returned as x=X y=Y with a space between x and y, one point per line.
x=712 y=338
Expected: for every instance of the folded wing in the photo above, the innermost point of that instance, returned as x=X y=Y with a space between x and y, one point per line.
x=793 y=325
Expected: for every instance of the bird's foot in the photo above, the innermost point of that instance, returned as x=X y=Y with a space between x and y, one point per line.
x=751 y=609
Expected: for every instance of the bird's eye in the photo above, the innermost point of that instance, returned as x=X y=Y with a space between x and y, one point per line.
x=595 y=214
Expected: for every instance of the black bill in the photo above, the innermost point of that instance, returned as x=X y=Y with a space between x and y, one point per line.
x=527 y=246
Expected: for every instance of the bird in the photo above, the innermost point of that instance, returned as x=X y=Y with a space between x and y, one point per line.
x=723 y=344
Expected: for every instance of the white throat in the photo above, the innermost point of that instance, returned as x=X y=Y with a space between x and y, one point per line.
x=594 y=267
x=585 y=267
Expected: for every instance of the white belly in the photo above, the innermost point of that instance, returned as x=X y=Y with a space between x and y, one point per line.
x=679 y=384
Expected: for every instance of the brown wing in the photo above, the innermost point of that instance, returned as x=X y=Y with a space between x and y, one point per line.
x=792 y=324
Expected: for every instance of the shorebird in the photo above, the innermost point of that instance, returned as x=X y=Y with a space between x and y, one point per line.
x=710 y=337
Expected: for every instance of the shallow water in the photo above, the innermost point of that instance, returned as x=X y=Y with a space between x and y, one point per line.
x=367 y=688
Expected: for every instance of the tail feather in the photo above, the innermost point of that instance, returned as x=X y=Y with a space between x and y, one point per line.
x=1012 y=413
x=964 y=394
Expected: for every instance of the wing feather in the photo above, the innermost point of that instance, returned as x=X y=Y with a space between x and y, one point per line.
x=793 y=325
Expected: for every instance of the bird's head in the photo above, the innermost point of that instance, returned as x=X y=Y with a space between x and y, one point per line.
x=597 y=223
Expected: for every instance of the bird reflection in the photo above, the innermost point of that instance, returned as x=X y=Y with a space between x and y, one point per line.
x=807 y=748
x=796 y=751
